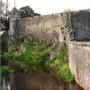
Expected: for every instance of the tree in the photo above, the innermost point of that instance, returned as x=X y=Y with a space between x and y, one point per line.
x=4 y=23
x=27 y=12
x=1 y=8
x=1 y=14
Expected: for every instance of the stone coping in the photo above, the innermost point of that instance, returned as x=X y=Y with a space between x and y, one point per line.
x=78 y=43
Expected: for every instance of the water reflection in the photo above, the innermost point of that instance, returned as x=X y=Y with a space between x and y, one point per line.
x=40 y=81
x=4 y=84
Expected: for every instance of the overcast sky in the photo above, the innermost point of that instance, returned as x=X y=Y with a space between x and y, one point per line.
x=50 y=6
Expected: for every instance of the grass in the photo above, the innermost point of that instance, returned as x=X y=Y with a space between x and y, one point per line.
x=60 y=66
x=36 y=56
x=5 y=71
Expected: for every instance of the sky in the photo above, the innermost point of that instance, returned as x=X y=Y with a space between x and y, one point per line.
x=45 y=7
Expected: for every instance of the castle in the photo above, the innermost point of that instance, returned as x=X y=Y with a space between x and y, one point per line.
x=72 y=28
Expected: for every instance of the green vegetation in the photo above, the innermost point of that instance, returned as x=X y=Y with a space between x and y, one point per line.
x=26 y=56
x=27 y=11
x=60 y=66
x=5 y=71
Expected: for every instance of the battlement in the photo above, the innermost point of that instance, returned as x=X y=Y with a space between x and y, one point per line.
x=74 y=24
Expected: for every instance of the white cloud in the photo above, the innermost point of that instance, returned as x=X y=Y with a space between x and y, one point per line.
x=51 y=6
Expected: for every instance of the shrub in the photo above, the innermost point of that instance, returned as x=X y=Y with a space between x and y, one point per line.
x=36 y=56
x=60 y=66
x=5 y=71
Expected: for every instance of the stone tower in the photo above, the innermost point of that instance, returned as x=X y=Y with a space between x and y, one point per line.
x=13 y=16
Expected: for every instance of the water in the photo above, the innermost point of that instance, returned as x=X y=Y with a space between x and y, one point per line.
x=4 y=85
x=40 y=81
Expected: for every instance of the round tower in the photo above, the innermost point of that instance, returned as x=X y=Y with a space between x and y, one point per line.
x=13 y=16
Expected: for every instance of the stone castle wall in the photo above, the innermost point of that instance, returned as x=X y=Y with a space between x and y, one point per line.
x=48 y=28
x=79 y=62
x=52 y=28
x=80 y=25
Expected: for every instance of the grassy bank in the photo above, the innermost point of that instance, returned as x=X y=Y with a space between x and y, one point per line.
x=26 y=56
